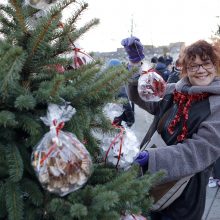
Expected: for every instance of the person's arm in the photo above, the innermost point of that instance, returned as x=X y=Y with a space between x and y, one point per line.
x=194 y=154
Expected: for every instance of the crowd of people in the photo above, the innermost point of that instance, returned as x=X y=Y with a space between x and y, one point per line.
x=186 y=121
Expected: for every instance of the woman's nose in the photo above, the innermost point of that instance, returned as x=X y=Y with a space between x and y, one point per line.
x=201 y=69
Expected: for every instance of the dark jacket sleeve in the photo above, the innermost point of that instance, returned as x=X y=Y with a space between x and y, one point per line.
x=192 y=155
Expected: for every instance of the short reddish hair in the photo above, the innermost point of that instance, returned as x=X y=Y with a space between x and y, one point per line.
x=204 y=50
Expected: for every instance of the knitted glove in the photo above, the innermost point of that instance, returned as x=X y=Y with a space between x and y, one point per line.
x=142 y=158
x=134 y=49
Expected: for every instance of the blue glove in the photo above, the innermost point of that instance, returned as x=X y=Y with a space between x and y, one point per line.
x=134 y=49
x=142 y=158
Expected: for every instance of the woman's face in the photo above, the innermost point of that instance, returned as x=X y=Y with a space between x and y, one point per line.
x=201 y=73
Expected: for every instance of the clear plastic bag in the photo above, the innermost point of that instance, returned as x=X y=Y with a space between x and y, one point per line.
x=151 y=86
x=61 y=162
x=41 y=4
x=120 y=149
x=132 y=217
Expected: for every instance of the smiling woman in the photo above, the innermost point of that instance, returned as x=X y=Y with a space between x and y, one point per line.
x=200 y=63
x=187 y=119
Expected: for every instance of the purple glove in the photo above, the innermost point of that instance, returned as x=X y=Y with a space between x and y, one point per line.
x=142 y=158
x=134 y=49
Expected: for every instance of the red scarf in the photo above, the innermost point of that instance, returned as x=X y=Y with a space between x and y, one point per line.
x=184 y=101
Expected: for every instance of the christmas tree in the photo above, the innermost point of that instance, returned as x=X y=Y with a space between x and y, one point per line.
x=30 y=53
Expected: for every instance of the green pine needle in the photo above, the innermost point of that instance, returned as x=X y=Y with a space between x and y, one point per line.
x=14 y=162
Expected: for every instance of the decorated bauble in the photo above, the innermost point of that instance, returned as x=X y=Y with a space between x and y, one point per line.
x=120 y=149
x=80 y=58
x=41 y=4
x=60 y=161
x=112 y=110
x=151 y=86
x=62 y=164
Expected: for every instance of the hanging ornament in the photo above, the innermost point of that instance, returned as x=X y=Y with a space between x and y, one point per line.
x=151 y=86
x=112 y=110
x=41 y=4
x=120 y=149
x=80 y=58
x=61 y=162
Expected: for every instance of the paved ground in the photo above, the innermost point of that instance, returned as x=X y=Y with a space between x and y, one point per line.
x=212 y=209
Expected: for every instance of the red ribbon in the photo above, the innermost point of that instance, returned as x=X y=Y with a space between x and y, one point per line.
x=48 y=153
x=118 y=136
x=59 y=126
x=184 y=102
x=52 y=148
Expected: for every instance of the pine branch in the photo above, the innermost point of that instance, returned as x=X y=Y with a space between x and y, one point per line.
x=78 y=210
x=53 y=15
x=69 y=25
x=32 y=189
x=29 y=124
x=104 y=201
x=9 y=11
x=19 y=15
x=7 y=119
x=25 y=102
x=15 y=163
x=14 y=202
x=3 y=211
x=10 y=70
x=57 y=83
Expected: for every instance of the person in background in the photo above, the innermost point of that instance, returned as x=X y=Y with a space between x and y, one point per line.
x=153 y=62
x=188 y=121
x=216 y=172
x=162 y=69
x=128 y=114
x=175 y=74
x=214 y=179
x=168 y=60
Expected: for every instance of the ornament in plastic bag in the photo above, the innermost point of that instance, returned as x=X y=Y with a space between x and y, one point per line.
x=41 y=4
x=80 y=58
x=132 y=217
x=121 y=149
x=61 y=162
x=112 y=110
x=151 y=86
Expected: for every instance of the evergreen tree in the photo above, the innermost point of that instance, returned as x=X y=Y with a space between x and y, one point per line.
x=28 y=82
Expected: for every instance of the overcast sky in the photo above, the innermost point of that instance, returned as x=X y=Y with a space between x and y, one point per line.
x=157 y=22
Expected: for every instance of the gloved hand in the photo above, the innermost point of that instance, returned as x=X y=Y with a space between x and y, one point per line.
x=142 y=158
x=129 y=41
x=117 y=121
x=134 y=49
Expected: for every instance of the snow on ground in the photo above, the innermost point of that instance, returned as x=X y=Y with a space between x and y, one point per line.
x=142 y=122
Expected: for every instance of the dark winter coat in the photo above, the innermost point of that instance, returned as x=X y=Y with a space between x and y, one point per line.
x=162 y=69
x=195 y=155
x=174 y=75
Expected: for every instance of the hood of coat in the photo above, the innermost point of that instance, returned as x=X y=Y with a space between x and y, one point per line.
x=184 y=85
